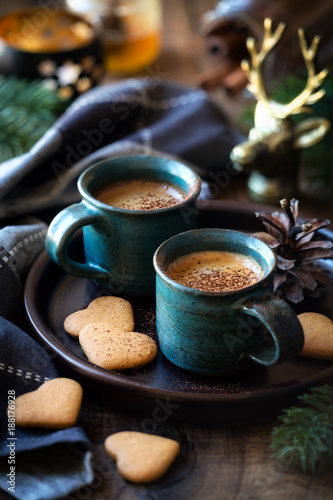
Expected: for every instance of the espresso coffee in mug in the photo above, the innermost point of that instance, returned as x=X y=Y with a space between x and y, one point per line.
x=140 y=194
x=215 y=271
x=129 y=206
x=215 y=312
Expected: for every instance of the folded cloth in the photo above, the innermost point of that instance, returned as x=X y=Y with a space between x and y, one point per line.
x=34 y=464
x=19 y=246
x=135 y=116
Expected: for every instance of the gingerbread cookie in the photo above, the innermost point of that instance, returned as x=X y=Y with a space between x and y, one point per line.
x=114 y=310
x=113 y=349
x=55 y=404
x=141 y=457
x=318 y=335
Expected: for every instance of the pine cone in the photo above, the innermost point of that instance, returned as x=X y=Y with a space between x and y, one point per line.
x=296 y=249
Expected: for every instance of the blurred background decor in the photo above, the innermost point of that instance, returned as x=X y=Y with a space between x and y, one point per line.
x=226 y=27
x=271 y=153
x=132 y=31
x=204 y=38
x=316 y=173
x=27 y=110
x=51 y=43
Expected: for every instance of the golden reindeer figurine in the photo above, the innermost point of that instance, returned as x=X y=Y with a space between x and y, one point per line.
x=271 y=153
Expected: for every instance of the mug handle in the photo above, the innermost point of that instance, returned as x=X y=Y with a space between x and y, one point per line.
x=285 y=339
x=60 y=232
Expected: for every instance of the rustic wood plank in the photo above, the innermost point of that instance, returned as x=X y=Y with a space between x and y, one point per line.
x=230 y=460
x=181 y=45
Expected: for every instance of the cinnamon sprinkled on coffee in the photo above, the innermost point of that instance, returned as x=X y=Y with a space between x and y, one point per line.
x=214 y=271
x=150 y=201
x=219 y=280
x=138 y=194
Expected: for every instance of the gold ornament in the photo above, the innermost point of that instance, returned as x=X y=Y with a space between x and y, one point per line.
x=271 y=153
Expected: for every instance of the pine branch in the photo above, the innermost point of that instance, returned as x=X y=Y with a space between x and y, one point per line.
x=32 y=95
x=305 y=437
x=27 y=111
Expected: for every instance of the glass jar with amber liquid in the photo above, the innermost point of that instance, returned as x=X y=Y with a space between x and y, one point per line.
x=132 y=31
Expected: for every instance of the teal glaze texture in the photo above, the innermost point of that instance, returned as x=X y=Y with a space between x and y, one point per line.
x=222 y=332
x=119 y=244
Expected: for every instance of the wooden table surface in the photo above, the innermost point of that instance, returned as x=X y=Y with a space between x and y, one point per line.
x=228 y=460
x=221 y=460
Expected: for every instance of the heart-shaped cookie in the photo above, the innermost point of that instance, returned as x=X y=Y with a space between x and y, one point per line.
x=55 y=404
x=113 y=349
x=318 y=335
x=141 y=457
x=114 y=310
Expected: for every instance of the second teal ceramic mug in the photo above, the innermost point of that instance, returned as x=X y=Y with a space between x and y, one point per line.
x=216 y=332
x=119 y=243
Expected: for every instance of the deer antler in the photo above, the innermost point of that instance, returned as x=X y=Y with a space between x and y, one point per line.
x=307 y=96
x=255 y=76
x=254 y=72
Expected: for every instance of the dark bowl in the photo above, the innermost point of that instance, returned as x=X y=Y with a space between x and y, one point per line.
x=62 y=48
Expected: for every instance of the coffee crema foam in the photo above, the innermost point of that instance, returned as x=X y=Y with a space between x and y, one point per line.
x=215 y=271
x=140 y=194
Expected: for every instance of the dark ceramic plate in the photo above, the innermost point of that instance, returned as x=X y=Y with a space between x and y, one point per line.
x=161 y=390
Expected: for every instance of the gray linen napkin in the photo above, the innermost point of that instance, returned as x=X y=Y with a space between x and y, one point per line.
x=35 y=464
x=133 y=116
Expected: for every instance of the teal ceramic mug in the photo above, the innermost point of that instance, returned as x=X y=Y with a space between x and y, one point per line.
x=119 y=243
x=210 y=331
